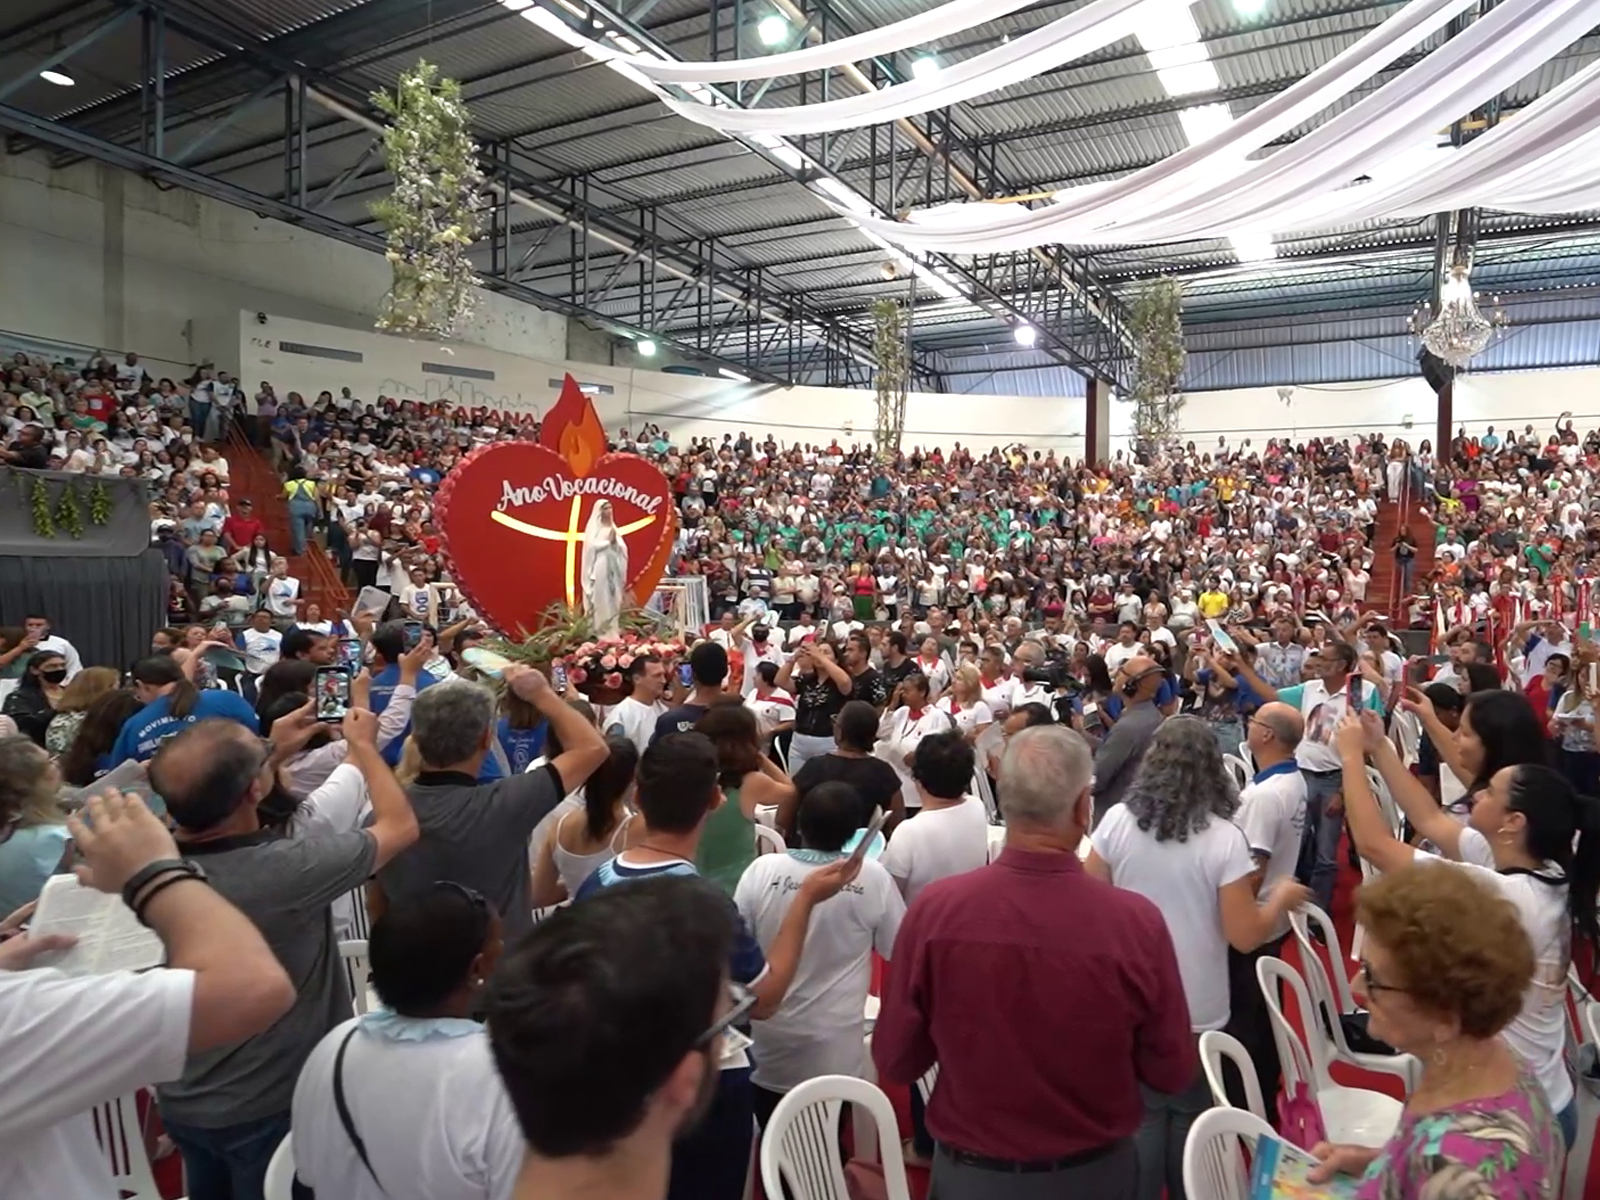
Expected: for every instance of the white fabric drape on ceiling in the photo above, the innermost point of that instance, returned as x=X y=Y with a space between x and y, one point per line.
x=1090 y=28
x=954 y=17
x=1210 y=190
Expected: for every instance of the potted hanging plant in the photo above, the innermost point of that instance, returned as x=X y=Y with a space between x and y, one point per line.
x=435 y=212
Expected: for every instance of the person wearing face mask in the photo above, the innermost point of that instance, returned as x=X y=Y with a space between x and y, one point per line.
x=414 y=1081
x=32 y=704
x=171 y=702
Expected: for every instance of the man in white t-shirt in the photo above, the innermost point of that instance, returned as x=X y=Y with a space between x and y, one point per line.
x=260 y=642
x=819 y=1029
x=635 y=717
x=105 y=1035
x=1125 y=649
x=951 y=833
x=1272 y=813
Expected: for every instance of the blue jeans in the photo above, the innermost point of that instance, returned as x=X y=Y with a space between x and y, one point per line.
x=229 y=1163
x=199 y=417
x=1229 y=735
x=1162 y=1133
x=1319 y=848
x=303 y=515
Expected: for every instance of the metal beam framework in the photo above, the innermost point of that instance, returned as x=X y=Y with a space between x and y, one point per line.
x=740 y=314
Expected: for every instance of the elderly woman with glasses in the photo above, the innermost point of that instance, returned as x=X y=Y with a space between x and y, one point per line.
x=1447 y=962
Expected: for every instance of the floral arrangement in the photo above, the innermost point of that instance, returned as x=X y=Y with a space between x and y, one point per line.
x=436 y=210
x=605 y=663
x=593 y=663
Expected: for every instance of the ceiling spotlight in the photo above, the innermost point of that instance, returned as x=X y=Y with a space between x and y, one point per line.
x=925 y=67
x=647 y=348
x=1027 y=336
x=59 y=78
x=772 y=30
x=1249 y=8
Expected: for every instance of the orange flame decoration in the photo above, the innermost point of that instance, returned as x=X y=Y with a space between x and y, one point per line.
x=572 y=429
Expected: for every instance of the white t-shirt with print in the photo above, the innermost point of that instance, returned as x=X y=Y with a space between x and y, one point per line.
x=939 y=843
x=820 y=1026
x=1182 y=880
x=1537 y=1035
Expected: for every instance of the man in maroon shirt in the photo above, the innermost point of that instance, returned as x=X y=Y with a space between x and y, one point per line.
x=1045 y=997
x=241 y=526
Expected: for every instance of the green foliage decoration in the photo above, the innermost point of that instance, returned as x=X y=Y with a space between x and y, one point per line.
x=435 y=212
x=1156 y=324
x=69 y=513
x=39 y=497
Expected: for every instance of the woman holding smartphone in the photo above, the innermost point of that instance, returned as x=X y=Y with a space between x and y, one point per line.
x=820 y=687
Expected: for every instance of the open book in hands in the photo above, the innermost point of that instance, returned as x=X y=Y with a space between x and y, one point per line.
x=110 y=937
x=1281 y=1172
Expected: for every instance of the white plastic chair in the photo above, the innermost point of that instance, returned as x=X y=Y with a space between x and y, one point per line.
x=1214 y=1157
x=1217 y=1047
x=997 y=841
x=801 y=1146
x=358 y=972
x=116 y=1125
x=925 y=1084
x=767 y=814
x=279 y=1183
x=982 y=790
x=1356 y=1115
x=769 y=841
x=1334 y=999
x=1241 y=771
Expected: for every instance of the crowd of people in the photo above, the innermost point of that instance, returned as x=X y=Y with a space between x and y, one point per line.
x=1061 y=750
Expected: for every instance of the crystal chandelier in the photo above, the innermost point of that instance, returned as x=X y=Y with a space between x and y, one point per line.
x=1459 y=331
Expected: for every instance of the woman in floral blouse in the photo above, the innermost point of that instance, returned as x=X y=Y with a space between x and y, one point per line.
x=1446 y=963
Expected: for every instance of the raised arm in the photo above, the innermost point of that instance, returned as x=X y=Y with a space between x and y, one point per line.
x=1369 y=829
x=394 y=824
x=1444 y=741
x=583 y=747
x=1257 y=684
x=239 y=986
x=1414 y=800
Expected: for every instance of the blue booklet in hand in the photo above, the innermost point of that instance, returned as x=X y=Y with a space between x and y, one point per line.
x=1281 y=1172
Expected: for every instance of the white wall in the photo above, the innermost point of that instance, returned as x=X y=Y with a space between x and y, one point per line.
x=1395 y=407
x=685 y=405
x=95 y=255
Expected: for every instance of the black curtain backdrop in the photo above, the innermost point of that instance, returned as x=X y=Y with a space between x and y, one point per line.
x=106 y=607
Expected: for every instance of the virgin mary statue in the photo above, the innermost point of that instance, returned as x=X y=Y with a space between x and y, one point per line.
x=605 y=570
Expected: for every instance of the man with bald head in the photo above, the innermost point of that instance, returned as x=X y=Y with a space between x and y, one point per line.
x=230 y=1109
x=1272 y=813
x=1117 y=760
x=1046 y=997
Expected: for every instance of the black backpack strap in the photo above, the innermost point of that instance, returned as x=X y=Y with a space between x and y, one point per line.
x=344 y=1110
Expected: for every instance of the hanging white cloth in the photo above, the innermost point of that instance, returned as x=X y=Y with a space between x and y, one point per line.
x=954 y=17
x=1205 y=191
x=1090 y=28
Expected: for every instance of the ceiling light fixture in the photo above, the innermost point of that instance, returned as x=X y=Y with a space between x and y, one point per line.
x=1249 y=8
x=772 y=29
x=59 y=78
x=925 y=67
x=647 y=348
x=1027 y=336
x=733 y=375
x=1253 y=247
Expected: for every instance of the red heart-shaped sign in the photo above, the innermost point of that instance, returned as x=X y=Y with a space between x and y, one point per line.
x=512 y=515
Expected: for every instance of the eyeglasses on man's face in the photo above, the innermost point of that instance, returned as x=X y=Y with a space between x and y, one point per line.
x=742 y=1000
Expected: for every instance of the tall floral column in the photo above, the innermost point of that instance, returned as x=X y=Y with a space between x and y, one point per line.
x=436 y=210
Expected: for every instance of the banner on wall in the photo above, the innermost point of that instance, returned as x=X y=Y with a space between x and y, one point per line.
x=514 y=517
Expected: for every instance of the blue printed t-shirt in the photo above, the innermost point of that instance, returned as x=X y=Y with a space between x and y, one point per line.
x=143 y=733
x=381 y=692
x=746 y=962
x=521 y=746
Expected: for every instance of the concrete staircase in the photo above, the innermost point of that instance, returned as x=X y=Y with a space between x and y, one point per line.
x=1383 y=592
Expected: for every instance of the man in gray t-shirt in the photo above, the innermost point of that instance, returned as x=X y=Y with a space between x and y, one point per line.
x=477 y=834
x=230 y=1109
